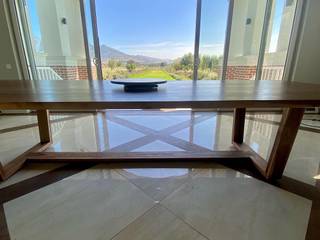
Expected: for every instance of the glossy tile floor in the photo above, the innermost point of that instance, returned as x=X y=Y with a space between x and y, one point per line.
x=160 y=203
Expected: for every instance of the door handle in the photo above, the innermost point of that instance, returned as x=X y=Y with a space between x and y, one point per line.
x=95 y=61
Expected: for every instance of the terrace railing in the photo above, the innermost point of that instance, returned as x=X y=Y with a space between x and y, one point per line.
x=47 y=73
x=272 y=73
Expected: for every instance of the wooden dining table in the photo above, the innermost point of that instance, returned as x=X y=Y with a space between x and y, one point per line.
x=46 y=95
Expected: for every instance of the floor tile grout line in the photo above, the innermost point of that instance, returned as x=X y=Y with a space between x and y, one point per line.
x=193 y=174
x=156 y=201
x=155 y=205
x=150 y=209
x=192 y=227
x=181 y=186
x=151 y=198
x=178 y=189
x=167 y=195
x=134 y=220
x=143 y=214
x=188 y=179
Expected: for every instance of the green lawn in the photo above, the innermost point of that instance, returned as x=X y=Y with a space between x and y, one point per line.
x=151 y=73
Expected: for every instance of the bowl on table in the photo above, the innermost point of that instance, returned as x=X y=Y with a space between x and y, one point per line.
x=139 y=85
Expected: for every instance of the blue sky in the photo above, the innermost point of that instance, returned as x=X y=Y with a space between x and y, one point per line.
x=160 y=28
x=276 y=25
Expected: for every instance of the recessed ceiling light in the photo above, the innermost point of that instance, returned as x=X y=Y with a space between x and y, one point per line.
x=317 y=177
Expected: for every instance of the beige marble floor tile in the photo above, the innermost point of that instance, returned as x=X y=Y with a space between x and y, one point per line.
x=304 y=160
x=157 y=183
x=28 y=171
x=158 y=224
x=94 y=204
x=13 y=144
x=9 y=121
x=232 y=205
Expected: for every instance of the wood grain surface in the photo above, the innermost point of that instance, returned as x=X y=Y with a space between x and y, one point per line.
x=73 y=94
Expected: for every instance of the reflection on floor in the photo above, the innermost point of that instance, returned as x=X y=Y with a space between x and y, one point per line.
x=97 y=203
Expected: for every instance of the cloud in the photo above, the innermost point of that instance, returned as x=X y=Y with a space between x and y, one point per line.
x=168 y=50
x=273 y=43
x=212 y=49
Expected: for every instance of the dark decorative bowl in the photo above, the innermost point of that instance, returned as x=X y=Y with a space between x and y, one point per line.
x=139 y=85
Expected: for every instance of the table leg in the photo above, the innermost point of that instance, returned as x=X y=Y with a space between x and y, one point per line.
x=44 y=126
x=237 y=140
x=13 y=166
x=288 y=129
x=239 y=116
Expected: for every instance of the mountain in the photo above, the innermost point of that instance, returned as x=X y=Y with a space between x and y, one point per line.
x=111 y=53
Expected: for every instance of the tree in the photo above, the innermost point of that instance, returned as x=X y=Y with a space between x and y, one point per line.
x=204 y=62
x=187 y=61
x=209 y=62
x=131 y=65
x=214 y=61
x=163 y=64
x=176 y=65
x=112 y=64
x=118 y=64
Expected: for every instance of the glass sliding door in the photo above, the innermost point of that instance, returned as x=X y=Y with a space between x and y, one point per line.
x=214 y=19
x=92 y=35
x=245 y=39
x=146 y=39
x=107 y=39
x=278 y=39
x=56 y=43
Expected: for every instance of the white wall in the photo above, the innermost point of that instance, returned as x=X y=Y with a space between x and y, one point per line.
x=245 y=38
x=8 y=64
x=286 y=26
x=62 y=43
x=307 y=62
